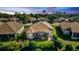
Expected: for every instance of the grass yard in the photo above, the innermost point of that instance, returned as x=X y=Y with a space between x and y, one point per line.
x=74 y=43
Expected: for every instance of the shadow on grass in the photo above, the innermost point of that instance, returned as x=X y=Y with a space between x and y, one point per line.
x=31 y=48
x=28 y=48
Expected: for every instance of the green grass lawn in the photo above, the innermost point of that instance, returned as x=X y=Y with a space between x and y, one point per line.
x=74 y=43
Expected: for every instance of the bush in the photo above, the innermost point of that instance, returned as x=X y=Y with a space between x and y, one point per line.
x=58 y=44
x=32 y=43
x=14 y=45
x=26 y=45
x=68 y=47
x=21 y=36
x=40 y=45
x=31 y=46
x=38 y=49
x=45 y=45
x=77 y=47
x=3 y=47
x=10 y=46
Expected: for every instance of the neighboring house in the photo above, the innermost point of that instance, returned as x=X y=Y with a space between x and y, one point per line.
x=32 y=19
x=10 y=29
x=9 y=19
x=14 y=19
x=70 y=28
x=39 y=30
x=61 y=19
x=3 y=19
x=43 y=19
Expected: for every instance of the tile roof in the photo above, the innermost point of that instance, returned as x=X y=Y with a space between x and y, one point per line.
x=39 y=27
x=9 y=27
x=73 y=25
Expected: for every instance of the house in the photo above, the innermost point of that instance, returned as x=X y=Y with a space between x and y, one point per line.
x=14 y=19
x=10 y=29
x=70 y=28
x=39 y=30
x=32 y=19
x=3 y=19
x=61 y=19
x=9 y=19
x=43 y=19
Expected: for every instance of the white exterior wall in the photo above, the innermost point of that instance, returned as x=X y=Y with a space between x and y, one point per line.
x=30 y=36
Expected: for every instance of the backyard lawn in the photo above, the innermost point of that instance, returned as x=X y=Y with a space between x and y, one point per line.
x=55 y=32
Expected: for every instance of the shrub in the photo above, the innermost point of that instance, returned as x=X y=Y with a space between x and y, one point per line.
x=2 y=47
x=45 y=45
x=21 y=36
x=58 y=44
x=14 y=45
x=5 y=47
x=68 y=47
x=26 y=45
x=10 y=46
x=40 y=45
x=31 y=46
x=77 y=47
x=38 y=49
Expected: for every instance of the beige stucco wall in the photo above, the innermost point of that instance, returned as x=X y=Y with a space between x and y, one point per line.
x=20 y=30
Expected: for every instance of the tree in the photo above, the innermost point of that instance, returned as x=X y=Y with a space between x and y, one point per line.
x=17 y=14
x=21 y=36
x=44 y=11
x=51 y=17
x=31 y=15
x=22 y=17
x=68 y=47
x=58 y=44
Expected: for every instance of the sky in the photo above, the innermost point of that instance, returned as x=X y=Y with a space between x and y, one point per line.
x=12 y=10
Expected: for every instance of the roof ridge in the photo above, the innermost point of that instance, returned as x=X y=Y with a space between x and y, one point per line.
x=45 y=24
x=10 y=27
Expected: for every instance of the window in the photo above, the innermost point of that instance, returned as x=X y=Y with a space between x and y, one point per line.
x=75 y=34
x=66 y=31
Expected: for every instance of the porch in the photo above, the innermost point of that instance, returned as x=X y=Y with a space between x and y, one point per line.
x=39 y=36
